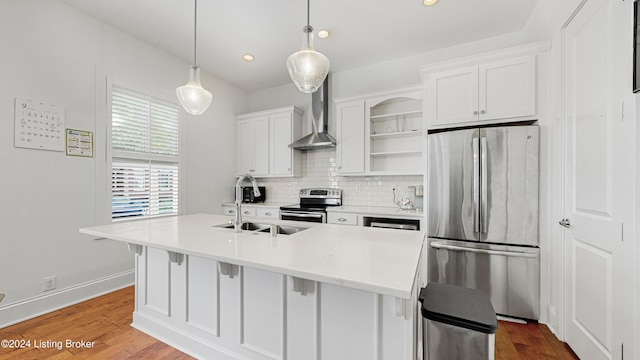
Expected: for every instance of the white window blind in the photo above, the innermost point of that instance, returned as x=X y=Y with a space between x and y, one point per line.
x=145 y=155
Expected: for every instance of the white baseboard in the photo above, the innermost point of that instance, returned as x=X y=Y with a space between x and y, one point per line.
x=176 y=338
x=553 y=321
x=39 y=305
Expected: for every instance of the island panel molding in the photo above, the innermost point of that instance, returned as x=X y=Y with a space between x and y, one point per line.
x=203 y=295
x=274 y=304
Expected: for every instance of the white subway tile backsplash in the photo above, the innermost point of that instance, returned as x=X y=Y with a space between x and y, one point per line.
x=320 y=171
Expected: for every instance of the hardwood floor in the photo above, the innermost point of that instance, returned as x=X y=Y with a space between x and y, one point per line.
x=104 y=323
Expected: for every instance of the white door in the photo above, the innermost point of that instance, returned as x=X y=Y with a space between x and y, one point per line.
x=281 y=155
x=245 y=146
x=599 y=186
x=507 y=89
x=261 y=150
x=350 y=137
x=452 y=96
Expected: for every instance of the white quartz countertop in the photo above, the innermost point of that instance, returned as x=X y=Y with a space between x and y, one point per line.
x=379 y=210
x=383 y=261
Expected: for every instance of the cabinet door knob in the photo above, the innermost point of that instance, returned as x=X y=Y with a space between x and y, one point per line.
x=339 y=167
x=483 y=111
x=475 y=112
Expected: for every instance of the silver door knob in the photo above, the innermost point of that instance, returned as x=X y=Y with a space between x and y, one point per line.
x=565 y=222
x=483 y=111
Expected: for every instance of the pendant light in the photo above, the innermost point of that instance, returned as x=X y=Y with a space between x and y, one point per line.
x=193 y=97
x=307 y=67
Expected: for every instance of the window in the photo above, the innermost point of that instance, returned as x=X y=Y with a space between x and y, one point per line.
x=144 y=155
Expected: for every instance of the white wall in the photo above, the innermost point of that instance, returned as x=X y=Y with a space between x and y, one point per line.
x=50 y=52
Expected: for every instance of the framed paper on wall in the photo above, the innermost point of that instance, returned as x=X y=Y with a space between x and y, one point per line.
x=79 y=143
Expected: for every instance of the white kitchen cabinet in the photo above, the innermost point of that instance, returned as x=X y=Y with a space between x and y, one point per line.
x=252 y=142
x=254 y=211
x=263 y=140
x=497 y=90
x=453 y=96
x=228 y=210
x=350 y=130
x=488 y=88
x=380 y=133
x=272 y=213
x=342 y=218
x=284 y=128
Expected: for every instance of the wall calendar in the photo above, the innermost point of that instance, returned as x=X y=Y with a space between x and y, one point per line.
x=38 y=125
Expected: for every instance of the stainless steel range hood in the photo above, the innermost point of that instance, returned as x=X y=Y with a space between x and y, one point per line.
x=319 y=138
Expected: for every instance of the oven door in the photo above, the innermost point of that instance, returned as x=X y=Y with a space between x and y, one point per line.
x=308 y=216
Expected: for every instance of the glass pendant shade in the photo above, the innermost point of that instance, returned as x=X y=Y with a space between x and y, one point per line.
x=193 y=97
x=308 y=68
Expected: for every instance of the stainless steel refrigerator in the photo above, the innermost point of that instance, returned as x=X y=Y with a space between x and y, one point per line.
x=483 y=214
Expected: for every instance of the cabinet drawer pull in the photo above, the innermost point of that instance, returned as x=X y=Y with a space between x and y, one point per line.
x=342 y=219
x=268 y=213
x=247 y=212
x=230 y=211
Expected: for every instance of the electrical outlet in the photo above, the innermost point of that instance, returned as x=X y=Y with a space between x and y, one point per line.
x=49 y=283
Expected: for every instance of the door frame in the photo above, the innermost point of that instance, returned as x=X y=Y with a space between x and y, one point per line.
x=628 y=112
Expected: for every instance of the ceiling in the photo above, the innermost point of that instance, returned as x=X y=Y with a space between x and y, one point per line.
x=362 y=32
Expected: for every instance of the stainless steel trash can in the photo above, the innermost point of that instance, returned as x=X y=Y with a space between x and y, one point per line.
x=458 y=323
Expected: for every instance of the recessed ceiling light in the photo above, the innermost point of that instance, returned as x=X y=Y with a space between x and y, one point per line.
x=247 y=57
x=429 y=2
x=323 y=34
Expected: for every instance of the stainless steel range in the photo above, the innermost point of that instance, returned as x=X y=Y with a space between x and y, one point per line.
x=313 y=205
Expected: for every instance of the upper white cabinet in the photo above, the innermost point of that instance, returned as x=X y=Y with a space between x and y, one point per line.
x=493 y=87
x=253 y=146
x=380 y=133
x=350 y=136
x=262 y=140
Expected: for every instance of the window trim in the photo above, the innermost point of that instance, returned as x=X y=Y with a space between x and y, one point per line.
x=110 y=154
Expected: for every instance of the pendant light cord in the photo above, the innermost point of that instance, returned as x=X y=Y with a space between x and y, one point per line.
x=308 y=11
x=195 y=33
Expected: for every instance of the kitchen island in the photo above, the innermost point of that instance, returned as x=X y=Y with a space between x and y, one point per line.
x=327 y=292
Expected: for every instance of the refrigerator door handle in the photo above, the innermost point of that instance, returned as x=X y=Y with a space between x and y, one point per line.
x=484 y=221
x=476 y=186
x=439 y=245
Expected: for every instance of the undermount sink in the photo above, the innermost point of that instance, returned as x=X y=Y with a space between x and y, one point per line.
x=251 y=226
x=286 y=230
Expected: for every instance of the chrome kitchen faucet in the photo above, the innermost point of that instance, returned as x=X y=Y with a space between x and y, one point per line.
x=237 y=222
